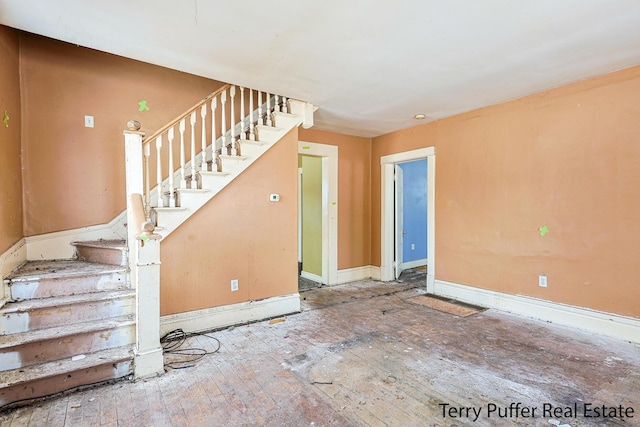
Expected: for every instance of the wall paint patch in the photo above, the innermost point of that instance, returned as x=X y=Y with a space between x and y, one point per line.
x=543 y=230
x=5 y=119
x=142 y=106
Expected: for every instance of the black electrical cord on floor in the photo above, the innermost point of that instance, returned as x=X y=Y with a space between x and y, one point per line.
x=172 y=342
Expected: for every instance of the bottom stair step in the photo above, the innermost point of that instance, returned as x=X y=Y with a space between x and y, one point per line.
x=20 y=385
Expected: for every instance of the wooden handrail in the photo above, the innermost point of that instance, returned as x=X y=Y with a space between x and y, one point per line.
x=175 y=121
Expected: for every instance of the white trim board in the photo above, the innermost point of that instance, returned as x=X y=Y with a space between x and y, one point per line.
x=413 y=264
x=229 y=315
x=311 y=276
x=609 y=324
x=358 y=273
x=57 y=245
x=15 y=256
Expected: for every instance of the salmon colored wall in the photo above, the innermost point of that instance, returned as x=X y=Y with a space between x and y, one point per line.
x=74 y=176
x=567 y=159
x=354 y=206
x=10 y=164
x=240 y=235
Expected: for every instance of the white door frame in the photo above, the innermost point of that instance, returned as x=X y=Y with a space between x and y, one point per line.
x=387 y=229
x=329 y=154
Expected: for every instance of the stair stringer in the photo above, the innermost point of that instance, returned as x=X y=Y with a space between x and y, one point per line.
x=169 y=219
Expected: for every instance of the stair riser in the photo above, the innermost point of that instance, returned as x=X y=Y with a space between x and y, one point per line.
x=57 y=348
x=11 y=323
x=55 y=384
x=111 y=256
x=45 y=288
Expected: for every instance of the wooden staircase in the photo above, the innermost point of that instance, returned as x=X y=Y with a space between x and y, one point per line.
x=68 y=323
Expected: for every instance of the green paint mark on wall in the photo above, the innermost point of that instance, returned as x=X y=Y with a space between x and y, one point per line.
x=543 y=230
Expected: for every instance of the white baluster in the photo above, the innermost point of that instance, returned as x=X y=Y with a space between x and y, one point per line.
x=223 y=101
x=243 y=128
x=252 y=125
x=276 y=104
x=260 y=121
x=159 y=171
x=268 y=109
x=232 y=93
x=203 y=115
x=147 y=201
x=194 y=184
x=172 y=197
x=183 y=179
x=284 y=105
x=214 y=105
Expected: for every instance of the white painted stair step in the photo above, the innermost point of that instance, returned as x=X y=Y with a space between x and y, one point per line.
x=45 y=379
x=44 y=313
x=43 y=345
x=45 y=279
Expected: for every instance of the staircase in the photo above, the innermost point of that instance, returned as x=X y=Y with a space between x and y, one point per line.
x=72 y=323
x=69 y=323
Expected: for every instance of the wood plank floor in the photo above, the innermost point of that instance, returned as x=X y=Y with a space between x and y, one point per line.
x=362 y=355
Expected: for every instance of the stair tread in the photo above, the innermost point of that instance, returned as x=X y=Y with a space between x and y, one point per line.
x=11 y=340
x=232 y=157
x=269 y=128
x=168 y=209
x=108 y=244
x=26 y=305
x=214 y=173
x=285 y=114
x=57 y=367
x=50 y=269
x=192 y=190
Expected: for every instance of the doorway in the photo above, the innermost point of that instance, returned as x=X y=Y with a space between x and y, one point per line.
x=410 y=215
x=388 y=208
x=317 y=213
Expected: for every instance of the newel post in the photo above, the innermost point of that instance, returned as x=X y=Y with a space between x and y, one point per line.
x=144 y=261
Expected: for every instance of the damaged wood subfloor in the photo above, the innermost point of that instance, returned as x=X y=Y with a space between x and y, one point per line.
x=362 y=355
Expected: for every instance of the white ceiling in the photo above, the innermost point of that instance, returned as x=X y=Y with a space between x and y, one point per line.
x=369 y=65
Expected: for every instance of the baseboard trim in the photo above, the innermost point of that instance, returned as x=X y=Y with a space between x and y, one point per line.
x=414 y=264
x=358 y=273
x=311 y=276
x=57 y=245
x=15 y=256
x=609 y=324
x=229 y=315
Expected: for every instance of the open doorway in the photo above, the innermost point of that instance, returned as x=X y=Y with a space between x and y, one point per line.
x=317 y=214
x=388 y=212
x=410 y=216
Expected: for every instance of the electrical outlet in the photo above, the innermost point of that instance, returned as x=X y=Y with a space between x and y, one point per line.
x=234 y=285
x=88 y=121
x=542 y=281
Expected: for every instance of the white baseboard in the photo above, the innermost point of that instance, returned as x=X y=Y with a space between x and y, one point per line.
x=358 y=273
x=414 y=264
x=15 y=256
x=311 y=276
x=609 y=324
x=228 y=315
x=58 y=245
